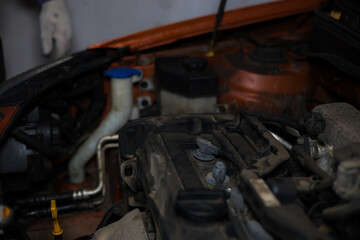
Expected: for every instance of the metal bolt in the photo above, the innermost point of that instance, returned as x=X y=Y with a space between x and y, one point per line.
x=206 y=150
x=218 y=176
x=319 y=151
x=219 y=172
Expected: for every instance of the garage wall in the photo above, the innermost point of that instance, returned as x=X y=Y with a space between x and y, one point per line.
x=93 y=21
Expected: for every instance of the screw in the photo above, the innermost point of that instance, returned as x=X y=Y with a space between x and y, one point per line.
x=218 y=176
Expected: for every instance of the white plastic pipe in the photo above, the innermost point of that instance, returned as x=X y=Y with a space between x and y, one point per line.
x=118 y=116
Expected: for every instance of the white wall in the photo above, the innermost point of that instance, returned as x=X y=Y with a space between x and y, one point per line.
x=94 y=21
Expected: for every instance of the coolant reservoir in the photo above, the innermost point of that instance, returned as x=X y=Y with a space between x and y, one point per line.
x=187 y=85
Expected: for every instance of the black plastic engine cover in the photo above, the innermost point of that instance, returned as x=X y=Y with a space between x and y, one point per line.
x=183 y=204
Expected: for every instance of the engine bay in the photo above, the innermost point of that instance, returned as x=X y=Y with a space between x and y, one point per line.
x=256 y=139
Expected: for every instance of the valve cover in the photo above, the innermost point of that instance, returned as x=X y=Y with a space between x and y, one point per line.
x=158 y=157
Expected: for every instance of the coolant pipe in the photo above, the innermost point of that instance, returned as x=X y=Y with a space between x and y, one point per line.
x=121 y=84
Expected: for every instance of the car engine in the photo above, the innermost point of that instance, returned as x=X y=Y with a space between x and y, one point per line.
x=254 y=137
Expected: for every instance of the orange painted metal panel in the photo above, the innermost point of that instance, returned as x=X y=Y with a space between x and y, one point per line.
x=234 y=18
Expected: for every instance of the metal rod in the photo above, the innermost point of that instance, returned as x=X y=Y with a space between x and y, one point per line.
x=288 y=146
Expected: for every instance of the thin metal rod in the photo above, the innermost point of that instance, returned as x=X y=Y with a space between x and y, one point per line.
x=288 y=146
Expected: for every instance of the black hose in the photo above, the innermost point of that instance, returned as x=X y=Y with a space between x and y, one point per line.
x=342 y=212
x=219 y=17
x=262 y=116
x=45 y=199
x=314 y=208
x=230 y=157
x=46 y=212
x=31 y=142
x=106 y=218
x=86 y=237
x=306 y=144
x=239 y=226
x=110 y=216
x=21 y=233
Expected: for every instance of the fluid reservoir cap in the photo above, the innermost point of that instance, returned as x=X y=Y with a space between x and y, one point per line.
x=122 y=72
x=195 y=65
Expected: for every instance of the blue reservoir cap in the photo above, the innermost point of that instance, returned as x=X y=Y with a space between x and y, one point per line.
x=122 y=72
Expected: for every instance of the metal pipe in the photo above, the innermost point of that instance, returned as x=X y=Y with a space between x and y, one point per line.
x=82 y=194
x=342 y=212
x=288 y=146
x=103 y=150
x=105 y=143
x=265 y=117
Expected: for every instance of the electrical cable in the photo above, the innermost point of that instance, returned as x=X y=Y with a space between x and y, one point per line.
x=262 y=116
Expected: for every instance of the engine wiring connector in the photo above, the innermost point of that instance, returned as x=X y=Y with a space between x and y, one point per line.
x=57 y=230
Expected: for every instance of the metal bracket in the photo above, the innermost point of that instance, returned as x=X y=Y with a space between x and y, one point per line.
x=128 y=172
